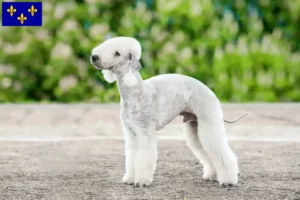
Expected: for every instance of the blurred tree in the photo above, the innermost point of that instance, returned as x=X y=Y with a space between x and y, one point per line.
x=246 y=50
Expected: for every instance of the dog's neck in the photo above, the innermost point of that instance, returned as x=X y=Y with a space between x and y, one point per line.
x=130 y=84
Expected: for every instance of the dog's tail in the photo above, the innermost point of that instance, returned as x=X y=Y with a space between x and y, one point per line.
x=235 y=120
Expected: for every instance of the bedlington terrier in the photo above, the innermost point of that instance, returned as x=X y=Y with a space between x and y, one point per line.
x=149 y=105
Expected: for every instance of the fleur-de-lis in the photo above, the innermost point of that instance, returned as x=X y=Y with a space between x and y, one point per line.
x=11 y=10
x=22 y=18
x=32 y=10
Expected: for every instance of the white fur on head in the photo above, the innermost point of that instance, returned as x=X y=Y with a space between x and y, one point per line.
x=106 y=52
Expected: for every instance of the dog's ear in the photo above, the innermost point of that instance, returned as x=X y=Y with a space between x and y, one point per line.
x=135 y=63
x=109 y=76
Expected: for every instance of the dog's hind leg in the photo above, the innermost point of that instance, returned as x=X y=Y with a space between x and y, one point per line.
x=212 y=135
x=190 y=129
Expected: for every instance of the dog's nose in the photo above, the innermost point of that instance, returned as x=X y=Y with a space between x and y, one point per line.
x=95 y=58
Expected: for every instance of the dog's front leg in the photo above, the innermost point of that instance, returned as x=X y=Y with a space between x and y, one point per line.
x=146 y=157
x=130 y=154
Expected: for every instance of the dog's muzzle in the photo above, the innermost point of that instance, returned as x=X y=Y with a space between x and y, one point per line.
x=95 y=60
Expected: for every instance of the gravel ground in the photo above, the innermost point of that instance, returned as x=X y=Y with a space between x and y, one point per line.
x=61 y=152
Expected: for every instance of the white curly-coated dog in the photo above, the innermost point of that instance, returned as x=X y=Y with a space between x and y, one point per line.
x=149 y=105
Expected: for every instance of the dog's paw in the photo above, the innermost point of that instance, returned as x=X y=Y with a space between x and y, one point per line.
x=128 y=179
x=142 y=182
x=228 y=180
x=209 y=173
x=209 y=177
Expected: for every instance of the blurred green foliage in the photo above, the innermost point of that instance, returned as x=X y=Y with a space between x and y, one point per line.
x=243 y=50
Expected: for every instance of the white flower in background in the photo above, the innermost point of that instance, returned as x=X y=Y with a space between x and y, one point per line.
x=147 y=58
x=84 y=42
x=98 y=30
x=265 y=3
x=91 y=1
x=277 y=33
x=293 y=7
x=227 y=19
x=45 y=18
x=141 y=7
x=266 y=44
x=142 y=13
x=257 y=26
x=185 y=53
x=126 y=22
x=161 y=36
x=248 y=74
x=93 y=10
x=167 y=5
x=92 y=82
x=169 y=48
x=143 y=33
x=61 y=50
x=12 y=49
x=47 y=6
x=254 y=15
x=275 y=50
x=96 y=86
x=70 y=25
x=280 y=75
x=223 y=77
x=254 y=46
x=108 y=36
x=17 y=86
x=202 y=50
x=147 y=16
x=6 y=69
x=104 y=1
x=234 y=28
x=240 y=4
x=242 y=47
x=218 y=53
x=179 y=36
x=213 y=33
x=6 y=82
x=292 y=78
x=27 y=37
x=49 y=70
x=82 y=66
x=269 y=78
x=295 y=57
x=229 y=48
x=42 y=34
x=264 y=78
x=157 y=33
x=196 y=8
x=60 y=11
x=68 y=82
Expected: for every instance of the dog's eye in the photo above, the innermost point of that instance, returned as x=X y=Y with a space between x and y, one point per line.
x=117 y=53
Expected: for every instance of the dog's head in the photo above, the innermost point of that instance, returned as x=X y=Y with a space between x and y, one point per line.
x=116 y=56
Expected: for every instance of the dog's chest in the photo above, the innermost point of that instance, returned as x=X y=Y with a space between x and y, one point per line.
x=135 y=116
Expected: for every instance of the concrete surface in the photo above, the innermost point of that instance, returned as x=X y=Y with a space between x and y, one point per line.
x=76 y=152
